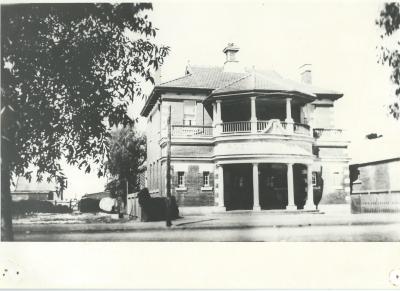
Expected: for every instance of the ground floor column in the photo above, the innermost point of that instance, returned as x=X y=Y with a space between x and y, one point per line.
x=310 y=193
x=291 y=205
x=256 y=197
x=221 y=203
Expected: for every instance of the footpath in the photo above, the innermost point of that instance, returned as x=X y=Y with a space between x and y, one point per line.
x=328 y=216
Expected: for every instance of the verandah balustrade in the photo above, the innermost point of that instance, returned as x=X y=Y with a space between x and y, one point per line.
x=262 y=125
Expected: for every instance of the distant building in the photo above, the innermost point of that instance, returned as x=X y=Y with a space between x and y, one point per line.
x=375 y=176
x=97 y=195
x=25 y=190
x=244 y=138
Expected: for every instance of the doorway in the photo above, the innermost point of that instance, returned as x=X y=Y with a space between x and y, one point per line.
x=238 y=181
x=273 y=186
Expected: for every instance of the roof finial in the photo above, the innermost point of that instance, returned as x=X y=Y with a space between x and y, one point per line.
x=188 y=69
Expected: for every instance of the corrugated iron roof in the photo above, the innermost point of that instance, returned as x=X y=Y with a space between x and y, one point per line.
x=218 y=81
x=23 y=185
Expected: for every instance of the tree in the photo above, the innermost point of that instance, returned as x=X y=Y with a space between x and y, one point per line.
x=68 y=74
x=126 y=160
x=389 y=21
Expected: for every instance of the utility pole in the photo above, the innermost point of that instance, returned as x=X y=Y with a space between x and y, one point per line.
x=168 y=212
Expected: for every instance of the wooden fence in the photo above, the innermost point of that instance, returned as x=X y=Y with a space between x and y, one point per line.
x=377 y=201
x=133 y=209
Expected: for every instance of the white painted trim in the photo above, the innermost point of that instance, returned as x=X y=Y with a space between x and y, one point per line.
x=272 y=160
x=206 y=188
x=180 y=189
x=261 y=136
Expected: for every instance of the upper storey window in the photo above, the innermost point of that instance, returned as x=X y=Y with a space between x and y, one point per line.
x=189 y=112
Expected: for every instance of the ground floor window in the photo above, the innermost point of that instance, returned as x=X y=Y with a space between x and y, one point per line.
x=314 y=178
x=181 y=179
x=206 y=179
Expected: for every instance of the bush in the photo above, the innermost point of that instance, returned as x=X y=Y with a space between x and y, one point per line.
x=37 y=206
x=338 y=197
x=155 y=209
x=89 y=205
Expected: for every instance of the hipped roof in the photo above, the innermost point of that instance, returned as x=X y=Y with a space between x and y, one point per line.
x=214 y=81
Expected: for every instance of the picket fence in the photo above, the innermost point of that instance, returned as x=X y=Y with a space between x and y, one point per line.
x=133 y=208
x=376 y=201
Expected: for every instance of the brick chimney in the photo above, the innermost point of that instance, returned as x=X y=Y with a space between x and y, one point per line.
x=157 y=77
x=305 y=73
x=231 y=63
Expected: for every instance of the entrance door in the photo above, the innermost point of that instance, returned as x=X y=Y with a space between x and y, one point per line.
x=238 y=187
x=273 y=186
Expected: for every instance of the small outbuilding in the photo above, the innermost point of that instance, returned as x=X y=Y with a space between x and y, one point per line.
x=375 y=177
x=33 y=190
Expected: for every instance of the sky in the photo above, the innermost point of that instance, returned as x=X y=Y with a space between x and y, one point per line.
x=339 y=39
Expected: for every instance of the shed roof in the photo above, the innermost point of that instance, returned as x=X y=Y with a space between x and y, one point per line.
x=23 y=185
x=375 y=150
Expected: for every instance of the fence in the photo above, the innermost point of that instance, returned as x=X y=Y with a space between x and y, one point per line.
x=71 y=204
x=375 y=201
x=133 y=209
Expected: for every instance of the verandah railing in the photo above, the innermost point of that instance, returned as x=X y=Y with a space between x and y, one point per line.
x=191 y=130
x=328 y=133
x=236 y=127
x=264 y=125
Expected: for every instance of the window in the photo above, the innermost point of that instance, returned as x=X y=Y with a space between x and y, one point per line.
x=206 y=179
x=181 y=179
x=314 y=179
x=189 y=112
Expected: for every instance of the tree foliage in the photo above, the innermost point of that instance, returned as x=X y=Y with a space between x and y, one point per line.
x=68 y=74
x=389 y=22
x=126 y=160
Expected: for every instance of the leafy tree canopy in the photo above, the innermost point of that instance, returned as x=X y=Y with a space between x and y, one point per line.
x=126 y=160
x=389 y=21
x=69 y=72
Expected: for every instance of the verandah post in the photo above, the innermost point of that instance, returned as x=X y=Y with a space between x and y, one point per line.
x=168 y=211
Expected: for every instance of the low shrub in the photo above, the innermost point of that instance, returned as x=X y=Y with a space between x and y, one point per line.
x=338 y=197
x=24 y=207
x=155 y=209
x=89 y=205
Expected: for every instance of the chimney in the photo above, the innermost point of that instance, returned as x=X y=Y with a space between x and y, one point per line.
x=157 y=77
x=305 y=73
x=231 y=63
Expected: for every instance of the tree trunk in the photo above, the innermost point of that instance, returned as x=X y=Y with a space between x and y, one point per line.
x=6 y=219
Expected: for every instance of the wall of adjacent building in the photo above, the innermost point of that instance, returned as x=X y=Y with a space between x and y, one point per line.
x=381 y=175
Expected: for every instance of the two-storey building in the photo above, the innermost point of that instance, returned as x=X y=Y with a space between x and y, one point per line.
x=244 y=138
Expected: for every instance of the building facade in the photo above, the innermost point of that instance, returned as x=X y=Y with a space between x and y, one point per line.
x=244 y=139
